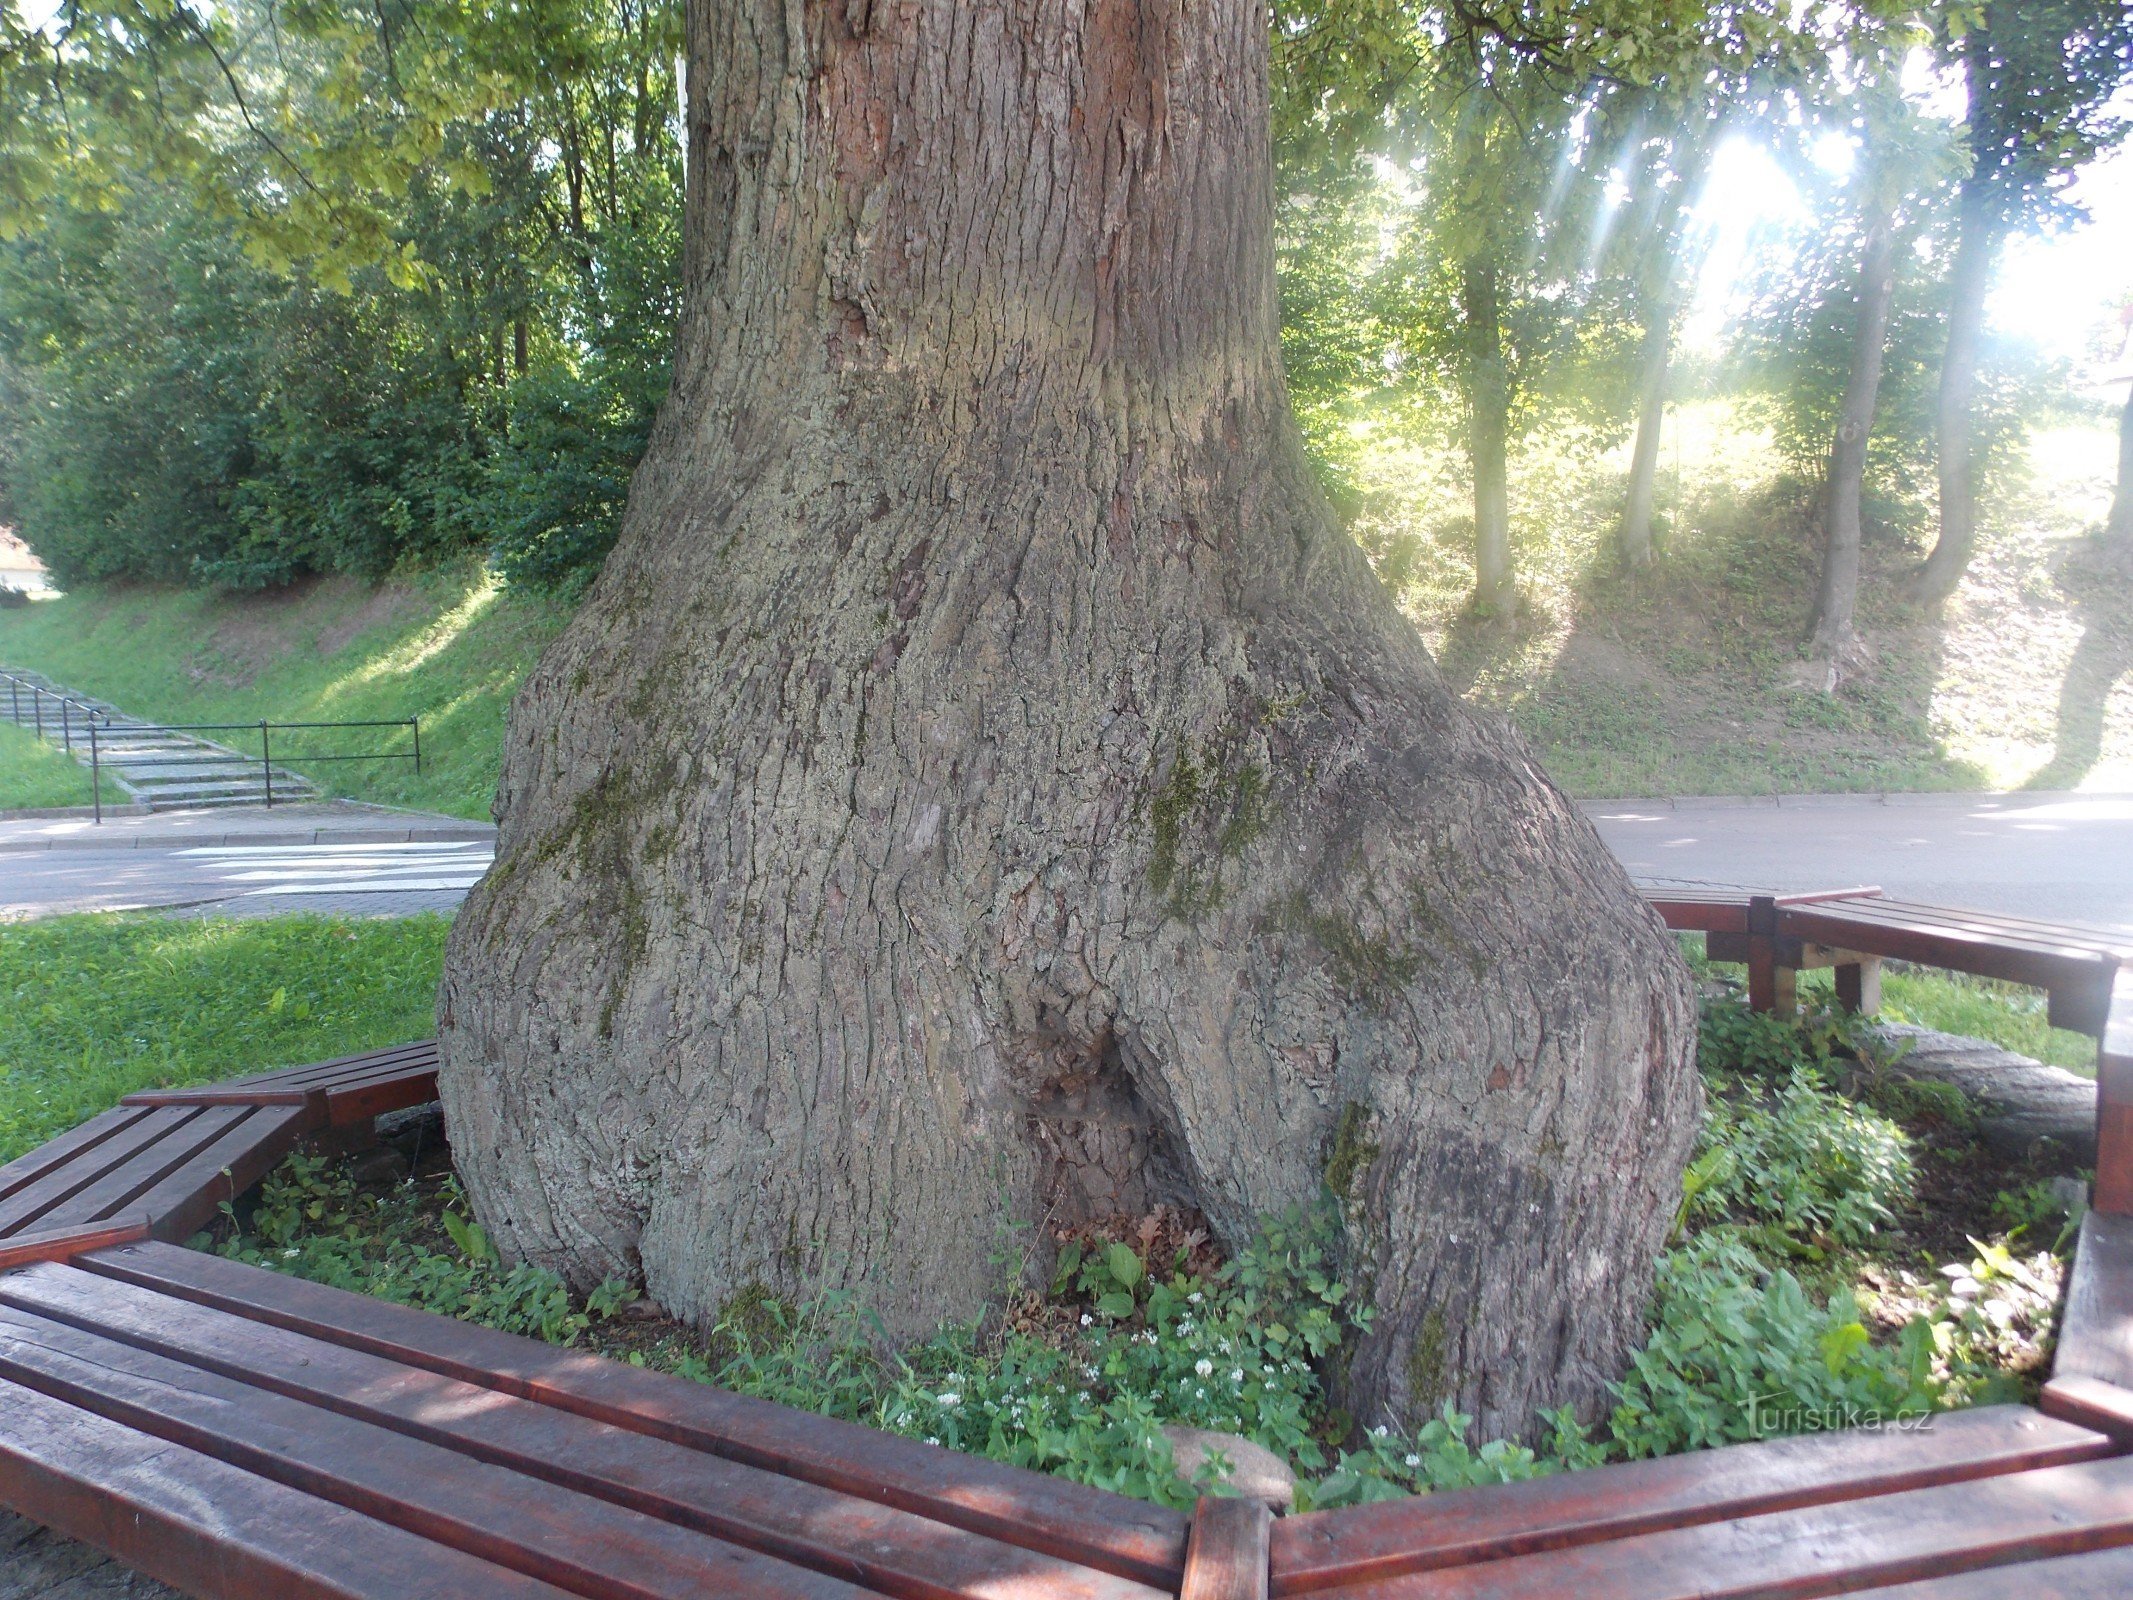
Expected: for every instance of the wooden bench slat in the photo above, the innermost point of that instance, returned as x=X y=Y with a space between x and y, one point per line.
x=36 y=1203
x=186 y=1200
x=1930 y=936
x=519 y=1522
x=1819 y=1550
x=70 y=1146
x=53 y=1244
x=2096 y=1331
x=1110 y=1532
x=123 y=1187
x=1324 y=1548
x=2045 y=930
x=2099 y=1575
x=392 y=1058
x=860 y=1540
x=210 y=1528
x=1226 y=1555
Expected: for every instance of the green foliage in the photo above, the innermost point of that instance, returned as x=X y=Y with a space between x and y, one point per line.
x=1809 y=1164
x=34 y=773
x=92 y=1008
x=1739 y=1351
x=312 y=1223
x=356 y=295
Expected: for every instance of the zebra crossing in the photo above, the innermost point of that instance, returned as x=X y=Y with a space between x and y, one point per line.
x=445 y=866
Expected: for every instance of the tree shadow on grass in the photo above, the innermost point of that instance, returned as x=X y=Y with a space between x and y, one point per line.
x=2099 y=581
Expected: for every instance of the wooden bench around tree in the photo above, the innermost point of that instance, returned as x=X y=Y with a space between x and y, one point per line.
x=243 y=1435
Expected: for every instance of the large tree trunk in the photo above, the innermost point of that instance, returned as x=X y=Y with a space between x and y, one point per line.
x=1488 y=429
x=2120 y=527
x=1633 y=540
x=1977 y=243
x=986 y=787
x=1834 y=642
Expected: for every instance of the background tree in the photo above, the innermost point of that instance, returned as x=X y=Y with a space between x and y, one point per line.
x=2042 y=82
x=1895 y=163
x=985 y=785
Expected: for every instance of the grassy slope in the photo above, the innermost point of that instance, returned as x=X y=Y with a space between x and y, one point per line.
x=448 y=647
x=33 y=773
x=1688 y=679
x=92 y=1008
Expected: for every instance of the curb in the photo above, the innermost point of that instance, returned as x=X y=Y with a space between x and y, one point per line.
x=1941 y=800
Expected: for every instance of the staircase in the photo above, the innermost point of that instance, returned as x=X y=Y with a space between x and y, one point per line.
x=162 y=768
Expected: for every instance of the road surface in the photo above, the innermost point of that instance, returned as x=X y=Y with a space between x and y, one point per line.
x=2064 y=857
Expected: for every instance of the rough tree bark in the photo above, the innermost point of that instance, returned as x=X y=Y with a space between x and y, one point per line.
x=1834 y=642
x=1977 y=243
x=985 y=785
x=1488 y=429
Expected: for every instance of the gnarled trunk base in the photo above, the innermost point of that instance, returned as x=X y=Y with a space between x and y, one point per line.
x=985 y=785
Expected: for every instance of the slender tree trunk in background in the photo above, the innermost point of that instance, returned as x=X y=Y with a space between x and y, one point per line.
x=986 y=788
x=1634 y=538
x=1834 y=640
x=1977 y=244
x=2120 y=526
x=1489 y=422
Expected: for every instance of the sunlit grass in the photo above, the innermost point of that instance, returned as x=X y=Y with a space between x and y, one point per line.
x=34 y=774
x=450 y=648
x=95 y=1007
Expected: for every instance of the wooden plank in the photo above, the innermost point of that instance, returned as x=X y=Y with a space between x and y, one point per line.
x=191 y=1130
x=362 y=1101
x=859 y=1540
x=1321 y=1549
x=185 y=1201
x=2114 y=1102
x=2090 y=1403
x=1110 y=1532
x=2033 y=931
x=36 y=1203
x=515 y=1521
x=2099 y=1575
x=55 y=1244
x=69 y=1146
x=2096 y=1329
x=208 y=1528
x=1226 y=1555
x=297 y=1077
x=1819 y=1550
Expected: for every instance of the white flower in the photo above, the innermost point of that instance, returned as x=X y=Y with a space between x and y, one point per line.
x=1412 y=1459
x=1086 y=1319
x=1237 y=1376
x=1203 y=1367
x=1194 y=1297
x=1199 y=1394
x=1379 y=1431
x=949 y=1398
x=931 y=1440
x=290 y=1255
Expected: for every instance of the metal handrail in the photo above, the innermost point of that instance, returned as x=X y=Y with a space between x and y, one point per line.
x=38 y=695
x=101 y=727
x=265 y=729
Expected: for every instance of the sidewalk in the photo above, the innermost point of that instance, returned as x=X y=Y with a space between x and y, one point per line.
x=331 y=822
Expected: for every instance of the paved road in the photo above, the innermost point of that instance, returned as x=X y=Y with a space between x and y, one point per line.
x=2067 y=857
x=250 y=862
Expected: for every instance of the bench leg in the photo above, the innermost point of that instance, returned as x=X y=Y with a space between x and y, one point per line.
x=1859 y=986
x=1770 y=986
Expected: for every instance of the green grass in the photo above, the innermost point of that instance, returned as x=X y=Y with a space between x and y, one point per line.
x=2008 y=1014
x=35 y=774
x=1689 y=678
x=447 y=647
x=95 y=1007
